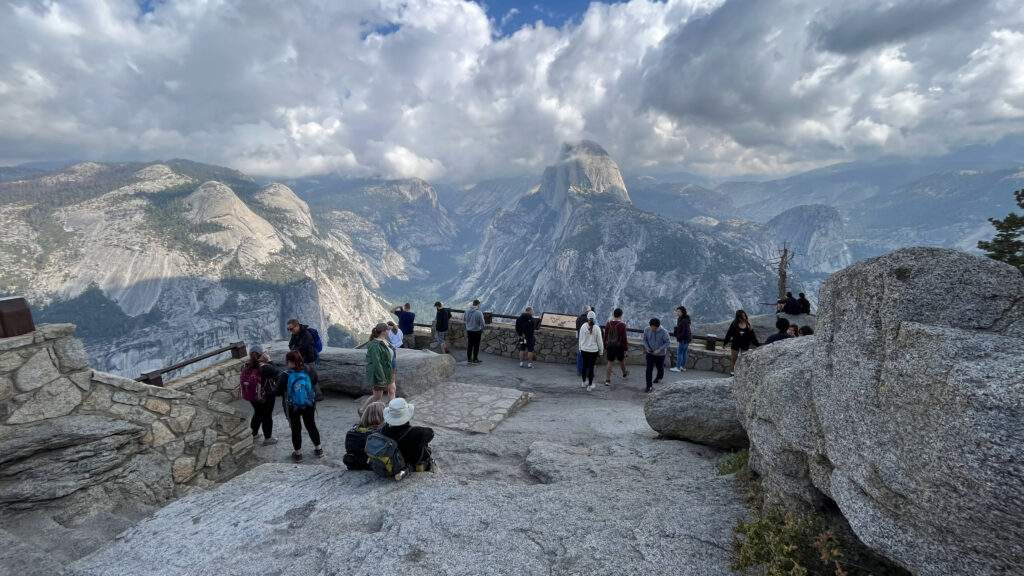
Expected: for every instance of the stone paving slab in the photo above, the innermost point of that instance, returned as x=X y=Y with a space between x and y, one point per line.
x=467 y=407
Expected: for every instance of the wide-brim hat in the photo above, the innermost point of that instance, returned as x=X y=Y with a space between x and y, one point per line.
x=398 y=412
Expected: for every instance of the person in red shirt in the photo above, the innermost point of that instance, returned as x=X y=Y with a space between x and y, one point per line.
x=615 y=345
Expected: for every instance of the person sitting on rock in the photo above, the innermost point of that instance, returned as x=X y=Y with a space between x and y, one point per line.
x=789 y=305
x=805 y=304
x=806 y=331
x=741 y=335
x=413 y=441
x=784 y=327
x=355 y=440
x=793 y=330
x=380 y=367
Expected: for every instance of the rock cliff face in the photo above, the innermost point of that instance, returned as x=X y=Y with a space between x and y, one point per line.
x=905 y=410
x=567 y=245
x=162 y=262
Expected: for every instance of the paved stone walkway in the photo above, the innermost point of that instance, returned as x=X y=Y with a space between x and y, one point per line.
x=468 y=407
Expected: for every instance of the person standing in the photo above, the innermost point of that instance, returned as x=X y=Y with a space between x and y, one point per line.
x=474 y=332
x=656 y=341
x=258 y=384
x=380 y=367
x=302 y=340
x=741 y=335
x=591 y=347
x=296 y=386
x=616 y=345
x=683 y=336
x=395 y=335
x=444 y=315
x=580 y=321
x=406 y=323
x=525 y=331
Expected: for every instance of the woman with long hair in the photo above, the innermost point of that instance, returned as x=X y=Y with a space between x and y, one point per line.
x=741 y=335
x=380 y=367
x=257 y=386
x=683 y=336
x=591 y=346
x=296 y=386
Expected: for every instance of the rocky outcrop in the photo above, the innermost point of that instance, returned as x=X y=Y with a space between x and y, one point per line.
x=909 y=415
x=584 y=168
x=699 y=411
x=343 y=370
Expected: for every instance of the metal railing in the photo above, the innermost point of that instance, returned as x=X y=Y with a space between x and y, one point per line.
x=156 y=377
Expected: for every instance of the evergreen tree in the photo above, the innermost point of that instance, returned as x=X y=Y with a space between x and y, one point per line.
x=1008 y=244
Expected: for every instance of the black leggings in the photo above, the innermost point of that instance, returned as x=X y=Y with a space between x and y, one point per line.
x=473 y=345
x=305 y=416
x=263 y=415
x=589 y=359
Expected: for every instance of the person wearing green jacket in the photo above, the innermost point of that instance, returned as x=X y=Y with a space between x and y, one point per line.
x=380 y=373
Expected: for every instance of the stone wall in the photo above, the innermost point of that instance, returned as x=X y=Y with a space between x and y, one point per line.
x=65 y=428
x=559 y=347
x=217 y=382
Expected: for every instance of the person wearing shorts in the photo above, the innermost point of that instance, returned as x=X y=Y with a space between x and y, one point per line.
x=525 y=331
x=615 y=349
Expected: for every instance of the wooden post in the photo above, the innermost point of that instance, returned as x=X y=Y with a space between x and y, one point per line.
x=238 y=350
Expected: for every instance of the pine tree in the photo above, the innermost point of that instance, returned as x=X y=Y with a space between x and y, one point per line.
x=1008 y=244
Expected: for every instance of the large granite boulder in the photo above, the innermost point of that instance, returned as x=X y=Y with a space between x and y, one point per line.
x=915 y=421
x=701 y=411
x=344 y=369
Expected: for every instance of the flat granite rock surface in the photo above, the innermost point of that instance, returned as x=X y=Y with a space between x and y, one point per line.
x=574 y=482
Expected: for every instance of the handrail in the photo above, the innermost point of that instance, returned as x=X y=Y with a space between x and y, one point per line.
x=156 y=377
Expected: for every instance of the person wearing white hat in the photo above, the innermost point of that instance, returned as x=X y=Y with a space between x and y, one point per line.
x=591 y=346
x=413 y=441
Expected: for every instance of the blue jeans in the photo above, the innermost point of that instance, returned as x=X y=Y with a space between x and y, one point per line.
x=682 y=354
x=579 y=362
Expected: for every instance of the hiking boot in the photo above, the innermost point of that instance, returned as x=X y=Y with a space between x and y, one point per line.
x=270 y=441
x=296 y=457
x=399 y=476
x=319 y=452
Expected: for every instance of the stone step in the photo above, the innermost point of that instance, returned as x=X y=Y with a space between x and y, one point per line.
x=467 y=407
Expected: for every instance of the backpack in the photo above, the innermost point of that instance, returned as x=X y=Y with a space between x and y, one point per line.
x=355 y=448
x=300 y=390
x=252 y=385
x=613 y=335
x=318 y=344
x=385 y=457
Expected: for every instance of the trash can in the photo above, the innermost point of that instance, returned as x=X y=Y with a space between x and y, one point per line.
x=15 y=317
x=488 y=317
x=710 y=341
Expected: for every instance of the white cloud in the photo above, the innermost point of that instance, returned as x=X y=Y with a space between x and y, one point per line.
x=431 y=88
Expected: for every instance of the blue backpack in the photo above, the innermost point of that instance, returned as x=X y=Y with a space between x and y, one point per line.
x=317 y=343
x=300 y=390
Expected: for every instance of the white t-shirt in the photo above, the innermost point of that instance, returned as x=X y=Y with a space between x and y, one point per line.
x=396 y=338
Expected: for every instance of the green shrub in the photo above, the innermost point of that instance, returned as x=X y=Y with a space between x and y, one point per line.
x=733 y=462
x=787 y=545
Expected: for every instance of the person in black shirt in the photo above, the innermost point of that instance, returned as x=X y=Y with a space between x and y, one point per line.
x=525 y=331
x=789 y=305
x=805 y=304
x=302 y=340
x=741 y=336
x=413 y=441
x=783 y=326
x=444 y=315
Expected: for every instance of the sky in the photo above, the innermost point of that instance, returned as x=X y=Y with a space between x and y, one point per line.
x=452 y=90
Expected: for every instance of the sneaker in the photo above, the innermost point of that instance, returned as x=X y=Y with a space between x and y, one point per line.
x=607 y=382
x=625 y=374
x=530 y=365
x=296 y=457
x=270 y=441
x=520 y=364
x=656 y=380
x=590 y=388
x=732 y=373
x=399 y=476
x=673 y=369
x=583 y=384
x=648 y=389
x=319 y=453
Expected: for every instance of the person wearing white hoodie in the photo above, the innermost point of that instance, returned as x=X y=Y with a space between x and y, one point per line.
x=591 y=346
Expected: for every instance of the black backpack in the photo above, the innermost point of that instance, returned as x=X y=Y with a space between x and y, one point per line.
x=613 y=335
x=383 y=453
x=355 y=448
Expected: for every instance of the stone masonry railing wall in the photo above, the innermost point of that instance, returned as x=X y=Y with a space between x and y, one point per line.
x=54 y=408
x=560 y=346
